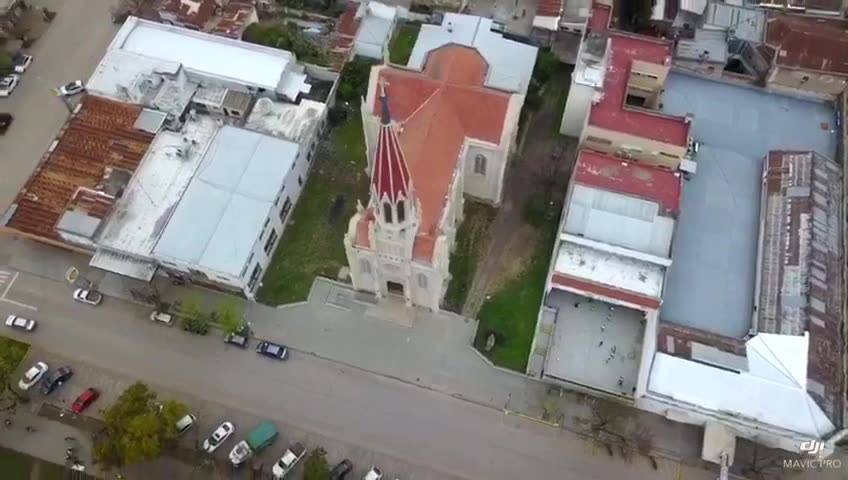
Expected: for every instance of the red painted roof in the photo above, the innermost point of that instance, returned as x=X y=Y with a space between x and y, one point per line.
x=612 y=114
x=616 y=175
x=348 y=24
x=809 y=43
x=569 y=282
x=195 y=13
x=600 y=19
x=549 y=8
x=391 y=179
x=436 y=110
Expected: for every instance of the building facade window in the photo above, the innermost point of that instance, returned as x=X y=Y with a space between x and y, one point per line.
x=254 y=277
x=269 y=244
x=264 y=227
x=401 y=211
x=299 y=180
x=422 y=281
x=480 y=164
x=365 y=266
x=284 y=212
x=387 y=212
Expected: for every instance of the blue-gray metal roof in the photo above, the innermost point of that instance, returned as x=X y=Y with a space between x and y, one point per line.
x=710 y=284
x=222 y=212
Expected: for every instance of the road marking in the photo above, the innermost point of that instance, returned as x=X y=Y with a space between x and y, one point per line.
x=14 y=277
x=3 y=276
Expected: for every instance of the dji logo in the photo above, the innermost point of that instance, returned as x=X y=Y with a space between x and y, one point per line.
x=812 y=448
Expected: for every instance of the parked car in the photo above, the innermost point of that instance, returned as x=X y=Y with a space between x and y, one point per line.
x=184 y=424
x=236 y=339
x=258 y=439
x=288 y=461
x=71 y=89
x=56 y=380
x=218 y=437
x=162 y=317
x=32 y=376
x=8 y=84
x=5 y=121
x=272 y=350
x=21 y=62
x=89 y=297
x=373 y=474
x=20 y=323
x=340 y=471
x=86 y=398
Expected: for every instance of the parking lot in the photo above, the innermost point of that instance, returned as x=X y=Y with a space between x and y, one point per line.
x=209 y=414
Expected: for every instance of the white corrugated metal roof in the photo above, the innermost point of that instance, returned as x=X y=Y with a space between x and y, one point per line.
x=222 y=212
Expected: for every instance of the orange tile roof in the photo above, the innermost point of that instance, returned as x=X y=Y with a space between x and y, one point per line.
x=234 y=19
x=95 y=204
x=435 y=111
x=809 y=43
x=186 y=15
x=100 y=135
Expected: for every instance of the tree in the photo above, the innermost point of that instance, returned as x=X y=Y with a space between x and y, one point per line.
x=5 y=62
x=193 y=318
x=137 y=427
x=316 y=466
x=229 y=316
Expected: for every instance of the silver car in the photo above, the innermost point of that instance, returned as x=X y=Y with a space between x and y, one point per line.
x=21 y=323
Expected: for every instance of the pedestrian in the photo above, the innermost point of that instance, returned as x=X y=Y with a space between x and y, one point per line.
x=620 y=381
x=600 y=343
x=29 y=428
x=613 y=349
x=7 y=422
x=603 y=327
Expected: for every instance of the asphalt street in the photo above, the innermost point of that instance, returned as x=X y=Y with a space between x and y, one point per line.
x=437 y=435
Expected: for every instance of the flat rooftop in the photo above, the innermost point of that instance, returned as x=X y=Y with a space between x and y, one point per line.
x=294 y=122
x=710 y=284
x=140 y=216
x=212 y=55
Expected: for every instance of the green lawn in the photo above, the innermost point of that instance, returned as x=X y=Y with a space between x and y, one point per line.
x=401 y=46
x=510 y=313
x=312 y=243
x=470 y=243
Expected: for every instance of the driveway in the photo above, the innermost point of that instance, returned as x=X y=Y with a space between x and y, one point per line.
x=426 y=433
x=69 y=50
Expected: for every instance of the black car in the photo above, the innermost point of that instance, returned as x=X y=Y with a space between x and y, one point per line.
x=5 y=120
x=54 y=381
x=272 y=350
x=340 y=471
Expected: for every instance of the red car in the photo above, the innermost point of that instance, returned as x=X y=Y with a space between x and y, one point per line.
x=85 y=399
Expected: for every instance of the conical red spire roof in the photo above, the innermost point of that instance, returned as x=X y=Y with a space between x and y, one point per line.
x=391 y=178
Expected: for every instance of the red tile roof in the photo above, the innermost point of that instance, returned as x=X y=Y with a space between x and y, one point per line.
x=568 y=282
x=234 y=19
x=610 y=112
x=99 y=136
x=616 y=175
x=549 y=8
x=95 y=204
x=189 y=12
x=391 y=180
x=809 y=43
x=436 y=110
x=343 y=36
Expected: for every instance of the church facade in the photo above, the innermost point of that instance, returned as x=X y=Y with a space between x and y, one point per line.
x=433 y=136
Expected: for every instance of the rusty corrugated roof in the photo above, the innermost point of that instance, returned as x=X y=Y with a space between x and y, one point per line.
x=809 y=43
x=99 y=136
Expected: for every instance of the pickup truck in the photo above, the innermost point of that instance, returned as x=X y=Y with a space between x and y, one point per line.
x=256 y=440
x=288 y=461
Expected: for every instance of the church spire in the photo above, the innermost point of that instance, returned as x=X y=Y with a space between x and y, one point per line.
x=391 y=181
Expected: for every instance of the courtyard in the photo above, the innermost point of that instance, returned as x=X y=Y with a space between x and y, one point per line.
x=595 y=344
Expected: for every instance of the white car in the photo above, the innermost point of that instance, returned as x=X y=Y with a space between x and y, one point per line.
x=22 y=62
x=162 y=317
x=218 y=437
x=32 y=376
x=88 y=297
x=71 y=89
x=373 y=474
x=8 y=83
x=20 y=323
